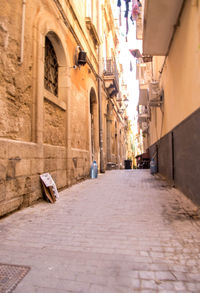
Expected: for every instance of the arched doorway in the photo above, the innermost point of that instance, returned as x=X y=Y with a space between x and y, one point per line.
x=108 y=137
x=93 y=123
x=116 y=144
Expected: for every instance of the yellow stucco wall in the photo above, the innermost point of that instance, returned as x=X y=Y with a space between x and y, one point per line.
x=181 y=76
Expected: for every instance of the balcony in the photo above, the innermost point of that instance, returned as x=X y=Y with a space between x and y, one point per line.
x=143 y=114
x=143 y=117
x=144 y=127
x=111 y=76
x=139 y=25
x=119 y=97
x=144 y=72
x=160 y=20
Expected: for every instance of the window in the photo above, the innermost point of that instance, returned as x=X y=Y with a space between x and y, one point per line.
x=50 y=68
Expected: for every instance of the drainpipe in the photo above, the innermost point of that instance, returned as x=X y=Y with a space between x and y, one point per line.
x=172 y=38
x=22 y=32
x=102 y=170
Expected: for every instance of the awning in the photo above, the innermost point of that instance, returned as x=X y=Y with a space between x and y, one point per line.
x=160 y=17
x=143 y=156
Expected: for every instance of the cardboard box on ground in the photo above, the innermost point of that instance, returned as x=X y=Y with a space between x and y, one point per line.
x=49 y=187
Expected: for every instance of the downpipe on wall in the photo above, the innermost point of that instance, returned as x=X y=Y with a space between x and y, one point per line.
x=102 y=169
x=172 y=38
x=161 y=72
x=22 y=32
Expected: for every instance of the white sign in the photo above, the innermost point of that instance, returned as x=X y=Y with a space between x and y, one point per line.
x=48 y=181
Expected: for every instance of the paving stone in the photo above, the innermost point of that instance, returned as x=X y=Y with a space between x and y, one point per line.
x=165 y=276
x=166 y=285
x=135 y=284
x=146 y=275
x=116 y=234
x=191 y=287
x=180 y=286
x=148 y=284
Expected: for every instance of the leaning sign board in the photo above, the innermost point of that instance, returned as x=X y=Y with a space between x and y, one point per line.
x=49 y=187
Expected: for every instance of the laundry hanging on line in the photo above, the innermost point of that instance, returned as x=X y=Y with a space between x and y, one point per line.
x=126 y=15
x=127 y=8
x=119 y=3
x=131 y=66
x=135 y=9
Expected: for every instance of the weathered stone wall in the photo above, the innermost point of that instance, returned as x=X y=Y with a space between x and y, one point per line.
x=79 y=119
x=40 y=132
x=15 y=81
x=79 y=166
x=20 y=166
x=55 y=163
x=54 y=124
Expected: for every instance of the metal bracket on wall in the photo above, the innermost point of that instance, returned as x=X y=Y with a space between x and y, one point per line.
x=156 y=103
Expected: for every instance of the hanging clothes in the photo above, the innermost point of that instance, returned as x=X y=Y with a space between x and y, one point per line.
x=135 y=10
x=131 y=66
x=127 y=26
x=126 y=14
x=127 y=9
x=136 y=53
x=119 y=3
x=120 y=17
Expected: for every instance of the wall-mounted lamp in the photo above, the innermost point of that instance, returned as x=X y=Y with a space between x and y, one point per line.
x=80 y=57
x=74 y=67
x=112 y=91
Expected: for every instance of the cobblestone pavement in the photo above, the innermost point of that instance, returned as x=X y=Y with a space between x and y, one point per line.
x=126 y=231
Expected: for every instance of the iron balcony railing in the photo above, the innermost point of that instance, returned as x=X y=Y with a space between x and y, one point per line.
x=143 y=113
x=110 y=70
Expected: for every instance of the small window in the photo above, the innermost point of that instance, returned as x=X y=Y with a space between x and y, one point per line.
x=50 y=68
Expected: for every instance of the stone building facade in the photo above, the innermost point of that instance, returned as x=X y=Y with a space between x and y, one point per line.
x=171 y=96
x=57 y=116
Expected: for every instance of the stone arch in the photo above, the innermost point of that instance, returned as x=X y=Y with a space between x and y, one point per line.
x=93 y=99
x=62 y=65
x=46 y=27
x=58 y=46
x=116 y=143
x=108 y=135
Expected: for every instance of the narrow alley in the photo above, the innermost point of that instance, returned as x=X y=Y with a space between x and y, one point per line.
x=125 y=232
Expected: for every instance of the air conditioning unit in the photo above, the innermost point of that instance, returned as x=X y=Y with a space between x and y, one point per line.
x=154 y=91
x=145 y=126
x=156 y=94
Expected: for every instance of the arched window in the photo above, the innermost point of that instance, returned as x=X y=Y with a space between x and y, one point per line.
x=50 y=68
x=93 y=119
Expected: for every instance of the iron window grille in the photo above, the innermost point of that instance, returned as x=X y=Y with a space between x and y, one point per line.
x=50 y=68
x=110 y=69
